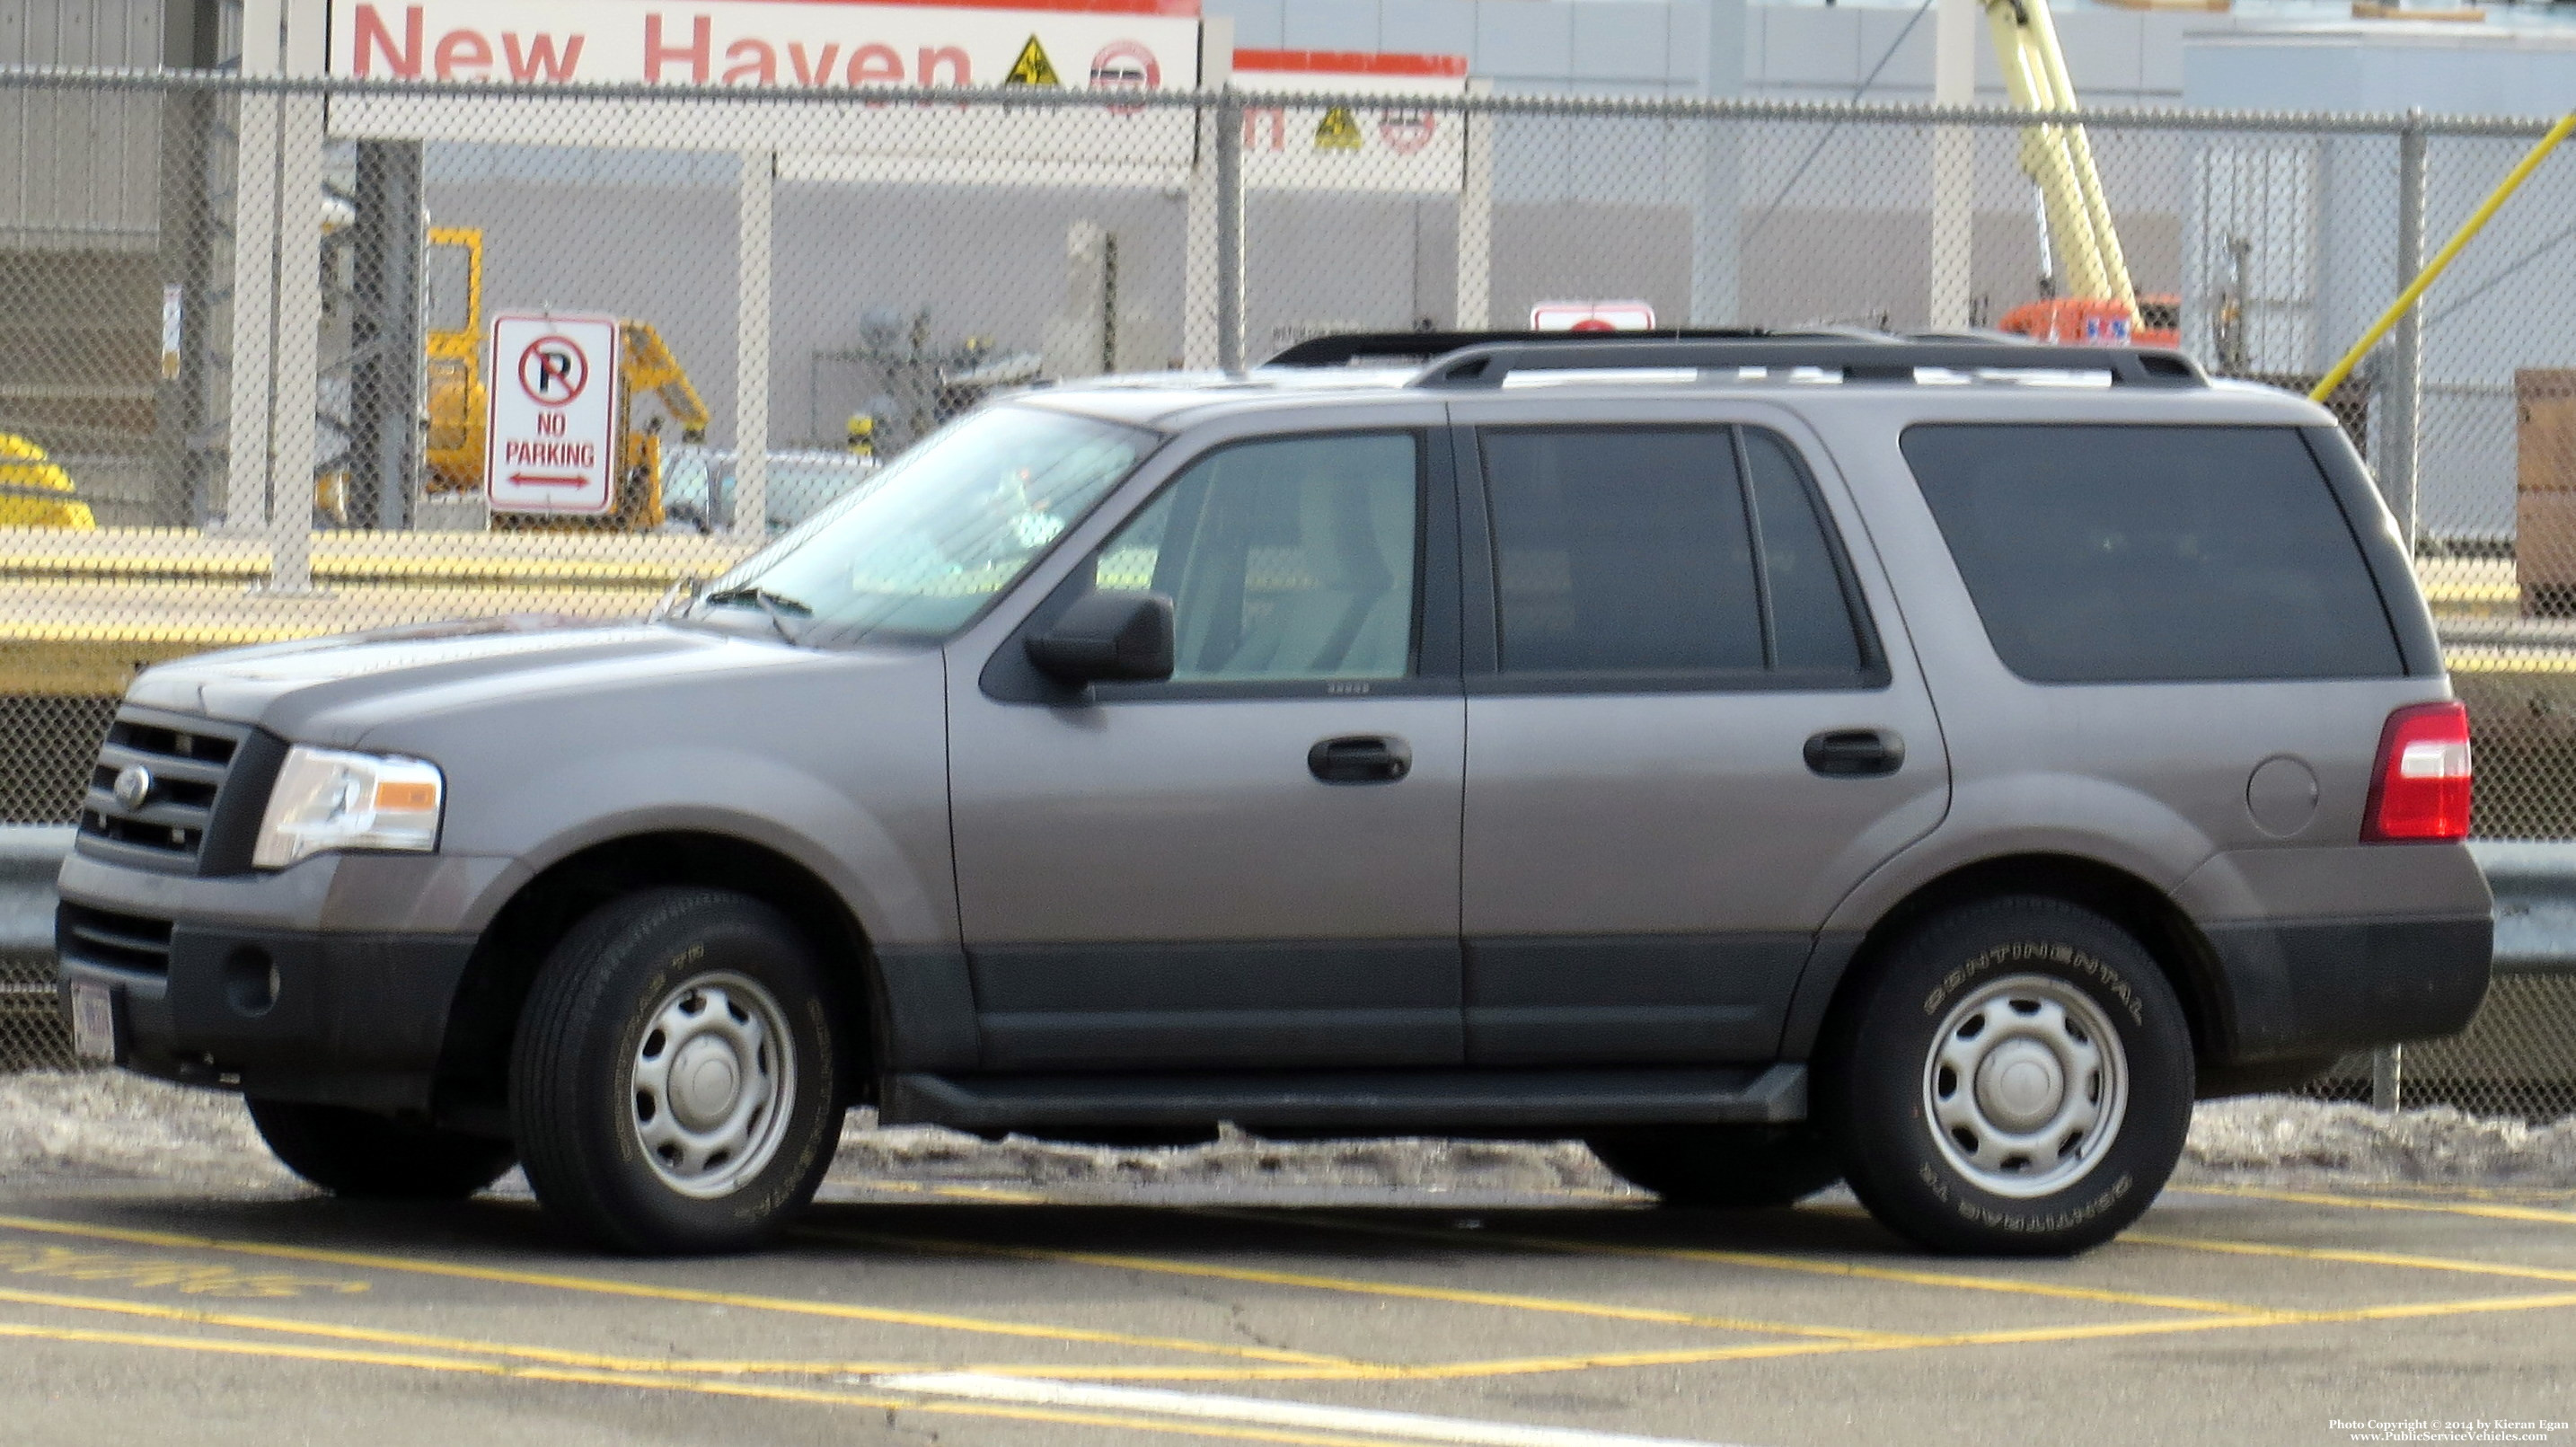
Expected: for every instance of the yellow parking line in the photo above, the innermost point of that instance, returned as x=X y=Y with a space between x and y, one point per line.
x=1455 y=1296
x=333 y=1331
x=607 y=1287
x=633 y=1380
x=2351 y=1258
x=2492 y=1212
x=1773 y=1262
x=961 y=1193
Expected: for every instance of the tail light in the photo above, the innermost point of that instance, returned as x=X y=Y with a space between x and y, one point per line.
x=2420 y=789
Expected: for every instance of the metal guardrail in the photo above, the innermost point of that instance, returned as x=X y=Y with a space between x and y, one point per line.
x=32 y=1035
x=2517 y=1058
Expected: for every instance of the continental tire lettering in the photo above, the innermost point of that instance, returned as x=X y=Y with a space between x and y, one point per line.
x=2041 y=1225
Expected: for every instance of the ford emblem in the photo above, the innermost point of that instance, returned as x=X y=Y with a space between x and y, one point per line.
x=133 y=786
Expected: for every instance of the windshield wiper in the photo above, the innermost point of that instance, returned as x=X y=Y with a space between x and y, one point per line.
x=777 y=607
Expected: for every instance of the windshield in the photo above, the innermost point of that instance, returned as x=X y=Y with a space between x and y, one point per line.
x=948 y=525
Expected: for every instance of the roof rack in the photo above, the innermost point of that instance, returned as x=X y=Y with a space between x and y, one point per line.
x=1485 y=365
x=1342 y=349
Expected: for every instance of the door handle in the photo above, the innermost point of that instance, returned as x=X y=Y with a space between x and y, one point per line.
x=1360 y=759
x=1855 y=753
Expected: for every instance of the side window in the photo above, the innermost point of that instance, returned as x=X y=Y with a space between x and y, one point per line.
x=1621 y=549
x=1286 y=559
x=1812 y=628
x=2123 y=554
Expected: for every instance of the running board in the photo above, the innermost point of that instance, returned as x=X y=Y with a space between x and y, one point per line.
x=1439 y=1102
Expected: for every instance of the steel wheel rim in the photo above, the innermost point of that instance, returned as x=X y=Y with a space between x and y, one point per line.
x=712 y=1075
x=2025 y=1086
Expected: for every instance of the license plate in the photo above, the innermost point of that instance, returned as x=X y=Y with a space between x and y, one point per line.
x=93 y=1022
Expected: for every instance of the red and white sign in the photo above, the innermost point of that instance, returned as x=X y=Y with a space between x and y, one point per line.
x=1390 y=147
x=1592 y=316
x=834 y=46
x=550 y=440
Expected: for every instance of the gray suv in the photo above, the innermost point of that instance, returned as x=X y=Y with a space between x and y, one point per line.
x=1930 y=765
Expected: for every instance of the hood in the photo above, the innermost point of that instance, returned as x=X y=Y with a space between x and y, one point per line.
x=283 y=685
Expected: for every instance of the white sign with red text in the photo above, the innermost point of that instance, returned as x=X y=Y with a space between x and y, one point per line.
x=1392 y=147
x=550 y=439
x=1592 y=316
x=834 y=47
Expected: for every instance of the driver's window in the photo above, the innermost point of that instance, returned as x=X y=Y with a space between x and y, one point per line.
x=1287 y=559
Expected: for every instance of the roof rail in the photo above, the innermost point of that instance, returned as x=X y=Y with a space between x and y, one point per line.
x=1343 y=348
x=1859 y=360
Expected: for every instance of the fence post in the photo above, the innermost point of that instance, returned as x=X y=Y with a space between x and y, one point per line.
x=1954 y=163
x=751 y=349
x=2404 y=402
x=1476 y=216
x=1199 y=201
x=254 y=300
x=2387 y=1076
x=1229 y=232
x=295 y=403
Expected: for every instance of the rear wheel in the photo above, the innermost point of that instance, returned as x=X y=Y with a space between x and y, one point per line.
x=2015 y=1079
x=673 y=1083
x=355 y=1153
x=1725 y=1167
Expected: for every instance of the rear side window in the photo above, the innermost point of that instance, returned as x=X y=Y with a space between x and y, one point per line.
x=1666 y=556
x=2117 y=554
x=1621 y=549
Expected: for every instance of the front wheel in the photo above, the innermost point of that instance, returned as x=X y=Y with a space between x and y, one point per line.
x=355 y=1153
x=673 y=1082
x=2015 y=1079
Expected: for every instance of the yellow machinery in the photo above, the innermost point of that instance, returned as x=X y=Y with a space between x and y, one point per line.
x=2095 y=300
x=453 y=341
x=35 y=493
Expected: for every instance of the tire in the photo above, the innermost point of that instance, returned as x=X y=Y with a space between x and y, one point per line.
x=674 y=1082
x=1719 y=1167
x=371 y=1157
x=2014 y=1079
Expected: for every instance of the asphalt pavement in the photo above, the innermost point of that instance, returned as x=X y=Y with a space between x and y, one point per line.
x=954 y=1312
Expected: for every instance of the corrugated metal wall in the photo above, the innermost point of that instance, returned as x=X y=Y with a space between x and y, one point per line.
x=79 y=172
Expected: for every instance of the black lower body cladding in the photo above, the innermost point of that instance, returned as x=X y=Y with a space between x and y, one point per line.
x=330 y=1019
x=2321 y=987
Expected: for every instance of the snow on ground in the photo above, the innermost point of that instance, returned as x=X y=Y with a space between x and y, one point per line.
x=109 y=1125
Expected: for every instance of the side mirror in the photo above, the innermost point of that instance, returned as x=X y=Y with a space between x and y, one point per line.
x=1108 y=638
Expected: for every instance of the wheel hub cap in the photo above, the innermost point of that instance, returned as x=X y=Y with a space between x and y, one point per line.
x=705 y=1080
x=2025 y=1085
x=2020 y=1085
x=714 y=1075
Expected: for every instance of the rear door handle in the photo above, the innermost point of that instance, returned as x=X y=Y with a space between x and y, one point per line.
x=1855 y=753
x=1360 y=759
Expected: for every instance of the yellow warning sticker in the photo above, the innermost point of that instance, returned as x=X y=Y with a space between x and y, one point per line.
x=1033 y=67
x=1337 y=131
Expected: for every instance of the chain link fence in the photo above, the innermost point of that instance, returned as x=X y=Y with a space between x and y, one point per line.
x=251 y=323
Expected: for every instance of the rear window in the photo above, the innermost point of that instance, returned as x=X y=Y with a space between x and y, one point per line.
x=2110 y=554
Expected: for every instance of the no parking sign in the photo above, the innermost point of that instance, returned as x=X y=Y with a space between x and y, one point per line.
x=550 y=441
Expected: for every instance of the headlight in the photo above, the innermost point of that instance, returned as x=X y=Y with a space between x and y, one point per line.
x=333 y=799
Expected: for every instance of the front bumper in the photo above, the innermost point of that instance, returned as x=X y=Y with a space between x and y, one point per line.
x=2323 y=987
x=332 y=981
x=338 y=1019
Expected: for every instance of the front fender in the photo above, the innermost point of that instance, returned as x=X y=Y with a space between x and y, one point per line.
x=895 y=896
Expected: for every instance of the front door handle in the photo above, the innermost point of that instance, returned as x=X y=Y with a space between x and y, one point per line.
x=1855 y=753
x=1360 y=759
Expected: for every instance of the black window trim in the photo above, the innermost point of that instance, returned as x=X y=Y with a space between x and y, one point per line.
x=1008 y=677
x=1482 y=613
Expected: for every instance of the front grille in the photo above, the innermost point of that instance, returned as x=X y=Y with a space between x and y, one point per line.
x=187 y=759
x=104 y=937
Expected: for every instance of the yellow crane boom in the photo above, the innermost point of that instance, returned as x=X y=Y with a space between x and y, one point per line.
x=2058 y=156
